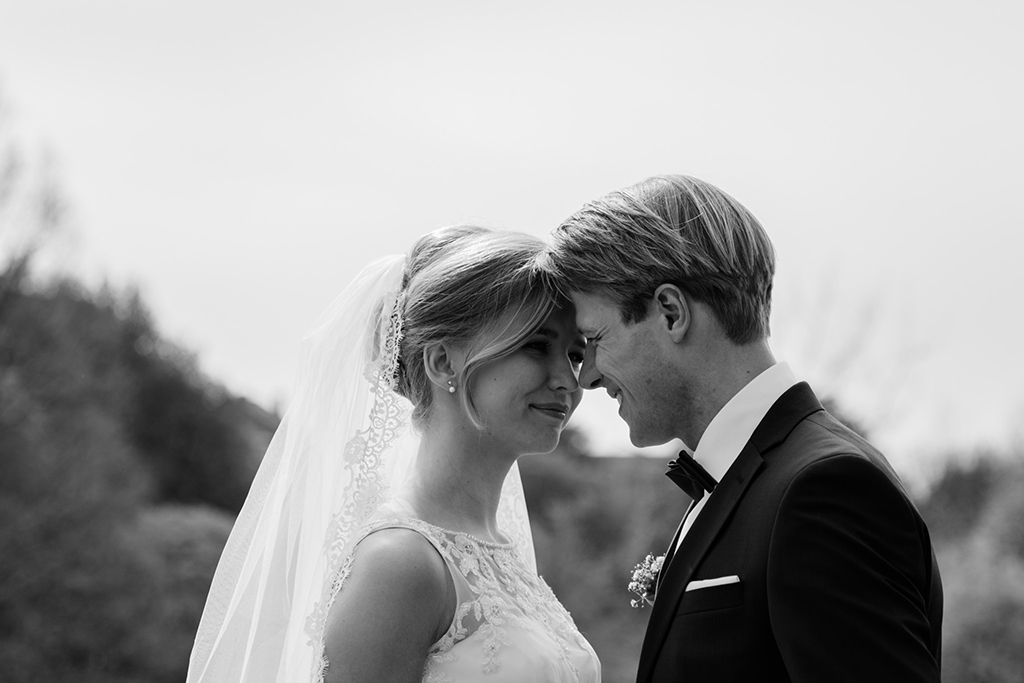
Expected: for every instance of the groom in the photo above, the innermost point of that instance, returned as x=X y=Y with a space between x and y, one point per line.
x=802 y=558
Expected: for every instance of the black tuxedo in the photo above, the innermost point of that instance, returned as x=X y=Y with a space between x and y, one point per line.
x=838 y=580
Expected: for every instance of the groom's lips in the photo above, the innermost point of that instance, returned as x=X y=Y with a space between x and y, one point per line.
x=617 y=395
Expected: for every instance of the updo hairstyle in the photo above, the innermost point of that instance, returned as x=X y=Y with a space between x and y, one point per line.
x=467 y=285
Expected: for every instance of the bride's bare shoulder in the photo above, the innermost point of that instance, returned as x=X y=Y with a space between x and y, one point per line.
x=397 y=554
x=395 y=604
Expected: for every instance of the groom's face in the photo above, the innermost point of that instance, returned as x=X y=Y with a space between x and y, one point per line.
x=628 y=361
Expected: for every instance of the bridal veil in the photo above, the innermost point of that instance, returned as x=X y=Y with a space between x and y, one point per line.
x=343 y=446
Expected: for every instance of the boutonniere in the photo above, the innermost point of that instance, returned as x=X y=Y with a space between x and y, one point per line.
x=645 y=580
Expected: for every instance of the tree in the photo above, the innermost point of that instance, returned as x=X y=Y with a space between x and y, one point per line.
x=31 y=208
x=102 y=423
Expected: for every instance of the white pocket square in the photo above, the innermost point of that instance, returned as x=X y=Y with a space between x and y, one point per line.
x=708 y=583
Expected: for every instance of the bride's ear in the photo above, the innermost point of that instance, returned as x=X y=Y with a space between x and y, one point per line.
x=439 y=364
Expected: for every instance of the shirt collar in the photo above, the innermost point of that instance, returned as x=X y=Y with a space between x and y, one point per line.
x=735 y=423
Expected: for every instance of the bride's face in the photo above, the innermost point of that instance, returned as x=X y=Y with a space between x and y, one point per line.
x=524 y=399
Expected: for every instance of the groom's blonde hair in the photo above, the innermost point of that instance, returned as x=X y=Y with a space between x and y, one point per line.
x=669 y=229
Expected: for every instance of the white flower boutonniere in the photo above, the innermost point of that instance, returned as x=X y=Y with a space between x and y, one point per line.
x=645 y=580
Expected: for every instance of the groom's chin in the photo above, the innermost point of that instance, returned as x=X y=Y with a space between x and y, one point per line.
x=645 y=440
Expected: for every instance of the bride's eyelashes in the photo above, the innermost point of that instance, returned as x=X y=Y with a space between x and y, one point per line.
x=544 y=346
x=541 y=345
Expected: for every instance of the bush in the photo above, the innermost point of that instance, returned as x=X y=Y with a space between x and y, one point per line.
x=100 y=422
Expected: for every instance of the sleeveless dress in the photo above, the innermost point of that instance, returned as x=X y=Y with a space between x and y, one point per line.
x=508 y=628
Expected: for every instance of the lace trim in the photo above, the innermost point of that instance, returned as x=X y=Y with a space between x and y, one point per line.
x=362 y=459
x=392 y=346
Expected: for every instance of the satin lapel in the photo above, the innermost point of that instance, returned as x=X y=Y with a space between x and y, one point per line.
x=670 y=551
x=792 y=407
x=691 y=551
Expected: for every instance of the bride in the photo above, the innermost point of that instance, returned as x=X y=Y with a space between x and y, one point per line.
x=385 y=537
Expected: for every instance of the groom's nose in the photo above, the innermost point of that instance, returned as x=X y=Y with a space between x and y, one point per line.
x=590 y=378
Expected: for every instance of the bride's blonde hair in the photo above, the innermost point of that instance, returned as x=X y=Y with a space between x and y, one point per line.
x=473 y=286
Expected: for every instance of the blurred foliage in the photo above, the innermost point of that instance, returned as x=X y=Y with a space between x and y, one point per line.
x=975 y=511
x=120 y=471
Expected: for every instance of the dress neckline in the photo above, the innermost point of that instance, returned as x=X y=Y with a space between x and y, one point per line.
x=475 y=539
x=406 y=513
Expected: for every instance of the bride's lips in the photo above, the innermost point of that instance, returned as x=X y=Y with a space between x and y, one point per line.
x=558 y=411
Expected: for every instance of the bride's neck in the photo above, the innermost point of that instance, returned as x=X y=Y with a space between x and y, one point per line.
x=457 y=481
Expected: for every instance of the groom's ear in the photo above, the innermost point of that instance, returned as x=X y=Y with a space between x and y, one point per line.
x=672 y=306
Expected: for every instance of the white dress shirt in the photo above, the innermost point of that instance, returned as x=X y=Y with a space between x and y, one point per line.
x=733 y=426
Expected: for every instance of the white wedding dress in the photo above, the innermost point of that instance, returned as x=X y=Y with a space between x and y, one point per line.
x=508 y=627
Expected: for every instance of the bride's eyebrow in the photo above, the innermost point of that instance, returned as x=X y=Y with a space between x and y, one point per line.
x=579 y=339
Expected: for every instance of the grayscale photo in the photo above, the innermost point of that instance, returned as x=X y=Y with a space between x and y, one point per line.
x=534 y=342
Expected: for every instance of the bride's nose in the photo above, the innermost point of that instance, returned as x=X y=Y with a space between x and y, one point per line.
x=563 y=376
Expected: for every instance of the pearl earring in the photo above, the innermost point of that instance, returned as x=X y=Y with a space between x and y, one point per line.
x=451 y=388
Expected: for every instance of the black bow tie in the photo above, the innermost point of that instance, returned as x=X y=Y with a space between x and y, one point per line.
x=688 y=475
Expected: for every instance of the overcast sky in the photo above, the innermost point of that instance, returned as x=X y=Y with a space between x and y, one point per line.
x=240 y=161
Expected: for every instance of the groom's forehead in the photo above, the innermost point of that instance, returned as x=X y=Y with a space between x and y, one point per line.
x=592 y=310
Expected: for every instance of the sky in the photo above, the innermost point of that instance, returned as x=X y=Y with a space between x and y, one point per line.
x=239 y=162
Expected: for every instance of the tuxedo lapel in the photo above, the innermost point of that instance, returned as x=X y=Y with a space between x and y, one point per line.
x=671 y=550
x=696 y=543
x=792 y=407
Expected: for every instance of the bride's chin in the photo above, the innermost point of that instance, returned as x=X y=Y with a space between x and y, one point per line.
x=550 y=447
x=545 y=447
